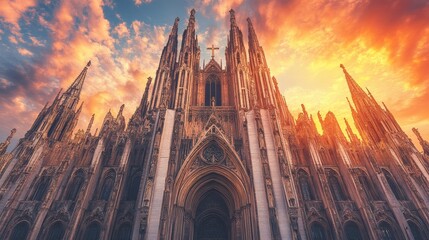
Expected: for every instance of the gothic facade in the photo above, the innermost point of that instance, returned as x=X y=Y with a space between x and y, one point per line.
x=213 y=152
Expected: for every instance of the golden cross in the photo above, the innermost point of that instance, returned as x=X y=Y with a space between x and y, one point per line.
x=213 y=48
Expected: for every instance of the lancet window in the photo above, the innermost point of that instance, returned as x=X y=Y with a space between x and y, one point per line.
x=75 y=186
x=213 y=91
x=56 y=231
x=41 y=188
x=107 y=186
x=20 y=231
x=396 y=189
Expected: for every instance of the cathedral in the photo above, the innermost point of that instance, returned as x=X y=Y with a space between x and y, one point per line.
x=212 y=152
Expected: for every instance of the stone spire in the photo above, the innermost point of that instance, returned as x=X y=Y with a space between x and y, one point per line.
x=355 y=90
x=253 y=38
x=57 y=121
x=374 y=123
x=330 y=127
x=265 y=91
x=189 y=59
x=423 y=143
x=166 y=67
x=5 y=144
x=70 y=97
x=237 y=66
x=88 y=129
x=352 y=136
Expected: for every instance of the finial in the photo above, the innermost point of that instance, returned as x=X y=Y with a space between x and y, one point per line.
x=88 y=64
x=176 y=20
x=344 y=69
x=193 y=12
x=417 y=133
x=12 y=132
x=91 y=121
x=303 y=109
x=319 y=116
x=232 y=17
x=121 y=110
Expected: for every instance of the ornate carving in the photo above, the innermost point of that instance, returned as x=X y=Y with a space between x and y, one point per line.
x=213 y=154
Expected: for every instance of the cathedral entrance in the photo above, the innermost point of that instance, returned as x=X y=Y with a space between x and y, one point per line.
x=210 y=197
x=212 y=220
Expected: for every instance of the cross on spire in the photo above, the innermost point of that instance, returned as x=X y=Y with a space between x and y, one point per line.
x=213 y=48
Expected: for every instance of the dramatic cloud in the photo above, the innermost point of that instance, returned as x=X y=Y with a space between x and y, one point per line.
x=11 y=11
x=118 y=73
x=384 y=44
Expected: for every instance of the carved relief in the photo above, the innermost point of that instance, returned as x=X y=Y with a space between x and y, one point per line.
x=213 y=154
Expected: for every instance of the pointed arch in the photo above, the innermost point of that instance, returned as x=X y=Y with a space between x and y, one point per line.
x=352 y=231
x=212 y=218
x=56 y=231
x=213 y=90
x=386 y=231
x=317 y=232
x=41 y=188
x=230 y=153
x=368 y=187
x=224 y=175
x=415 y=230
x=304 y=183
x=124 y=231
x=20 y=231
x=107 y=187
x=92 y=232
x=335 y=186
x=133 y=186
x=396 y=189
x=75 y=185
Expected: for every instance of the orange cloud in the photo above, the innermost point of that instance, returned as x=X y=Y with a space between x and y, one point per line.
x=24 y=52
x=122 y=30
x=11 y=11
x=382 y=43
x=139 y=2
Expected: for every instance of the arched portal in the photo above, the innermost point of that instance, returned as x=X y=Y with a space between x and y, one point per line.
x=212 y=218
x=211 y=197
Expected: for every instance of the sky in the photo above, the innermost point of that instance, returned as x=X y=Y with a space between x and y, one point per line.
x=384 y=45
